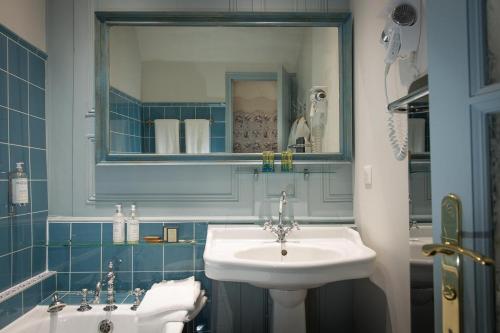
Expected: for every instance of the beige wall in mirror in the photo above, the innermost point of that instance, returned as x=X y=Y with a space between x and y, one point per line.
x=169 y=89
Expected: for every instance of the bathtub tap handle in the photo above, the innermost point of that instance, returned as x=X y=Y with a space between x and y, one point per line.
x=97 y=293
x=137 y=293
x=84 y=305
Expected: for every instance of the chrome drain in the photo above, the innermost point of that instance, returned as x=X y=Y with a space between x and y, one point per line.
x=105 y=326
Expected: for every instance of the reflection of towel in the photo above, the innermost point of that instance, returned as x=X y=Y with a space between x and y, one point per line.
x=197 y=136
x=167 y=136
x=416 y=135
x=299 y=130
x=170 y=296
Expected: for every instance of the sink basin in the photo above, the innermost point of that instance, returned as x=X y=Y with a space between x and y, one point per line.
x=316 y=255
x=416 y=256
x=311 y=257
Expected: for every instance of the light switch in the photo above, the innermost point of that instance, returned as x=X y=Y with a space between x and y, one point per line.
x=367 y=175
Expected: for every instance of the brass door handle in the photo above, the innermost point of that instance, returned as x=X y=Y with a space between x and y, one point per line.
x=449 y=249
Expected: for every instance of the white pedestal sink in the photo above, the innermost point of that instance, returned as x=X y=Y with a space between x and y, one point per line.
x=315 y=255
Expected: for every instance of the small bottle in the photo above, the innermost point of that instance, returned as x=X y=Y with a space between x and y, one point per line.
x=267 y=161
x=133 y=226
x=19 y=186
x=118 y=226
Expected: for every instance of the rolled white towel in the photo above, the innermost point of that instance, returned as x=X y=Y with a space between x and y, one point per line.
x=170 y=296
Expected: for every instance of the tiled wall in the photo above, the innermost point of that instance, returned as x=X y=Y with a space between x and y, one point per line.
x=22 y=139
x=124 y=122
x=182 y=111
x=84 y=263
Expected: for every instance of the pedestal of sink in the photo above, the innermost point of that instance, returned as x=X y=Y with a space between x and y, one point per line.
x=289 y=310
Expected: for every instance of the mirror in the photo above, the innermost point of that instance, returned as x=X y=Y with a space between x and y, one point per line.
x=199 y=90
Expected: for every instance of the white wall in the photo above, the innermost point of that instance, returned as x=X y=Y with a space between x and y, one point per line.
x=319 y=66
x=382 y=209
x=125 y=61
x=26 y=18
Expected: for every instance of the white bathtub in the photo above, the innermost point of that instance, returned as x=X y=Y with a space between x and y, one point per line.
x=69 y=320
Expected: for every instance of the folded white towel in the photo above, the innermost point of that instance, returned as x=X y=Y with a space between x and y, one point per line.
x=198 y=306
x=170 y=296
x=197 y=136
x=167 y=136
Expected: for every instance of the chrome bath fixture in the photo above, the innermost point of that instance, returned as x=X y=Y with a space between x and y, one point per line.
x=137 y=293
x=84 y=305
x=56 y=305
x=111 y=289
x=281 y=230
x=97 y=293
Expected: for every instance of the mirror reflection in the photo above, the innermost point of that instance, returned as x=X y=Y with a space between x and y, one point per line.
x=199 y=90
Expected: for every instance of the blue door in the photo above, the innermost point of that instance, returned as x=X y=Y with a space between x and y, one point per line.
x=464 y=84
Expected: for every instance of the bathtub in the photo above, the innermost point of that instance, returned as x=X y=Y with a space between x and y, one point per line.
x=69 y=320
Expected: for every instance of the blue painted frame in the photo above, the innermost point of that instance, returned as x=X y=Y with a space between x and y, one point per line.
x=343 y=21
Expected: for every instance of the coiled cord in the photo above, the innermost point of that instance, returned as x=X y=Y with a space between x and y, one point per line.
x=399 y=146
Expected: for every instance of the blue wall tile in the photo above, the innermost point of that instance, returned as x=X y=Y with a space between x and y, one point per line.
x=49 y=286
x=218 y=113
x=59 y=232
x=84 y=280
x=218 y=130
x=4 y=125
x=62 y=281
x=84 y=259
x=18 y=60
x=3 y=89
x=38 y=160
x=5 y=272
x=39 y=254
x=145 y=280
x=4 y=161
x=20 y=154
x=120 y=255
x=37 y=132
x=178 y=258
x=188 y=113
x=148 y=258
x=86 y=233
x=21 y=265
x=5 y=236
x=36 y=101
x=202 y=112
x=18 y=128
x=39 y=221
x=39 y=196
x=4 y=200
x=18 y=94
x=3 y=52
x=21 y=231
x=59 y=259
x=32 y=296
x=36 y=70
x=10 y=310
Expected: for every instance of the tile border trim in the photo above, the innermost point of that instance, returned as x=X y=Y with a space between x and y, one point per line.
x=20 y=287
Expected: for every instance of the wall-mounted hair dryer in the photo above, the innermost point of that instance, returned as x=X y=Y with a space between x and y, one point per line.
x=400 y=38
x=401 y=32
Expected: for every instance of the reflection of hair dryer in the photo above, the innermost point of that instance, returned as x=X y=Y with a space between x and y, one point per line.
x=317 y=115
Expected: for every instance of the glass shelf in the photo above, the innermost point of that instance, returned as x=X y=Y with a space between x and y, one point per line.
x=297 y=169
x=190 y=242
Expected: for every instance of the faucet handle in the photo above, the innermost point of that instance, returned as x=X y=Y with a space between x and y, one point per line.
x=295 y=225
x=84 y=305
x=137 y=293
x=268 y=224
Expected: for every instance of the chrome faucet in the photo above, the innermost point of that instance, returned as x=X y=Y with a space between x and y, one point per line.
x=281 y=229
x=111 y=289
x=97 y=293
x=56 y=305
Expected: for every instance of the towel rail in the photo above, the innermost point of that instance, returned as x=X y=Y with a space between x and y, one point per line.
x=152 y=122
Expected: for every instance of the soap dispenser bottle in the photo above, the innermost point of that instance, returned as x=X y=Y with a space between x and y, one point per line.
x=133 y=225
x=118 y=226
x=19 y=186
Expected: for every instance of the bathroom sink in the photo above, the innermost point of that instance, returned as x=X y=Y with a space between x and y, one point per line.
x=416 y=256
x=310 y=257
x=315 y=255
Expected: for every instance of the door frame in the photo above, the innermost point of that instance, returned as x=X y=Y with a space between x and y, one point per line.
x=250 y=76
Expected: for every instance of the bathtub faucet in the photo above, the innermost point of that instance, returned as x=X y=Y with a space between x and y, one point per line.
x=111 y=289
